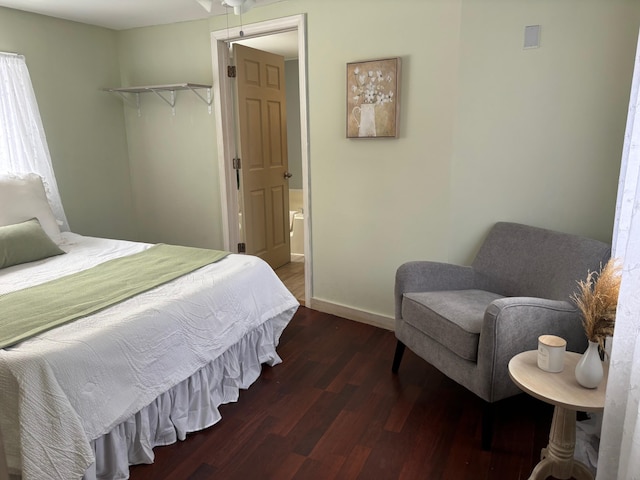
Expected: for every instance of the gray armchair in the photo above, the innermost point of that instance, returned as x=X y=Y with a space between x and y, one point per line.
x=468 y=321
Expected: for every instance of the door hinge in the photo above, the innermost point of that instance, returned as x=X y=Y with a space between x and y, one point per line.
x=237 y=164
x=242 y=247
x=231 y=71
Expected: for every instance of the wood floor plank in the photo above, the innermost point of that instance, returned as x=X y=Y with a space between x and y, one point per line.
x=402 y=408
x=315 y=423
x=346 y=430
x=289 y=466
x=203 y=472
x=291 y=408
x=326 y=469
x=333 y=409
x=354 y=463
x=292 y=275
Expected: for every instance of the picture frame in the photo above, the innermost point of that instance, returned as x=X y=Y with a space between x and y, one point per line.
x=373 y=98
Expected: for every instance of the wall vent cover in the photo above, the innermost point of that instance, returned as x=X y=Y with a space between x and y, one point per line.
x=532 y=36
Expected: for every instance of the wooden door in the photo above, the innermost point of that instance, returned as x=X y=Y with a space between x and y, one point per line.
x=262 y=118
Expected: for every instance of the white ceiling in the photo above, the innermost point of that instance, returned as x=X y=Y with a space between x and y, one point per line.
x=123 y=14
x=285 y=44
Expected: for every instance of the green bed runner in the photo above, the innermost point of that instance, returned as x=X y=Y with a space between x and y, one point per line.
x=25 y=313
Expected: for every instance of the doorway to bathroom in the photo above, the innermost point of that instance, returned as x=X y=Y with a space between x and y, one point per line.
x=284 y=37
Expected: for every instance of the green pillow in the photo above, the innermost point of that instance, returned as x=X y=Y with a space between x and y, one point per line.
x=25 y=242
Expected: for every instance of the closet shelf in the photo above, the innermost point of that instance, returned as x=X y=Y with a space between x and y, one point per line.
x=161 y=91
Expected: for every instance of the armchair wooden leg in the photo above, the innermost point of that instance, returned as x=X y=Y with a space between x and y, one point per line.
x=397 y=358
x=487 y=426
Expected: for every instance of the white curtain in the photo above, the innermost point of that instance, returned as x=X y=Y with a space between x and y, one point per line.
x=619 y=453
x=23 y=145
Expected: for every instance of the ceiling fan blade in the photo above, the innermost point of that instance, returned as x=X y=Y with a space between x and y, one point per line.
x=206 y=4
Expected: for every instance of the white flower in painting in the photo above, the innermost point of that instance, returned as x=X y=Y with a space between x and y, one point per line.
x=371 y=86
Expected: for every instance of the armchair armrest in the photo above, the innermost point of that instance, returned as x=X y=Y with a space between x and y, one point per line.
x=425 y=276
x=513 y=324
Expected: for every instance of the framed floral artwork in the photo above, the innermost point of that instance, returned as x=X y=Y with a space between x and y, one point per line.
x=373 y=100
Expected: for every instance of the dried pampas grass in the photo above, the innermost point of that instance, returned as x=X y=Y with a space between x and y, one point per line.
x=597 y=299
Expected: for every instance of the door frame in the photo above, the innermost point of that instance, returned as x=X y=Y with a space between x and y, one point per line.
x=223 y=99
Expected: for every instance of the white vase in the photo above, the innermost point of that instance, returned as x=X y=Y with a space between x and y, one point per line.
x=589 y=371
x=366 y=120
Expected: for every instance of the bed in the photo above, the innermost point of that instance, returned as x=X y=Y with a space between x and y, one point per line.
x=88 y=397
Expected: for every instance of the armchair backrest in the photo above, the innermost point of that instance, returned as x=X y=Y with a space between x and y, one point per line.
x=524 y=261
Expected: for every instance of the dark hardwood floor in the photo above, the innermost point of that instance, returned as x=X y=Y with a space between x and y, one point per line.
x=333 y=409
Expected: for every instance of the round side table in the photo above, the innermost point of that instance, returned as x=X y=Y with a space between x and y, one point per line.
x=564 y=392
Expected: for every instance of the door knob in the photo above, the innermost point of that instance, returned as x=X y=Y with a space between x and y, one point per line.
x=288 y=175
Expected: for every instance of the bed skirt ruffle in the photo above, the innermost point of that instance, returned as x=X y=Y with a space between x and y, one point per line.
x=190 y=406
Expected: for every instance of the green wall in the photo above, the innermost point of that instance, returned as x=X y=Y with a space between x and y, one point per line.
x=68 y=63
x=488 y=131
x=539 y=132
x=173 y=158
x=379 y=202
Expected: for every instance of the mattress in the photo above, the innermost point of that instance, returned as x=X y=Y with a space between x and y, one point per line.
x=67 y=389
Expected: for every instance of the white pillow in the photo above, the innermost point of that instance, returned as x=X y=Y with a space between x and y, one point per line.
x=22 y=197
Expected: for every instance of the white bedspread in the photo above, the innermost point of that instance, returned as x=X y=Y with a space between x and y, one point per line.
x=72 y=384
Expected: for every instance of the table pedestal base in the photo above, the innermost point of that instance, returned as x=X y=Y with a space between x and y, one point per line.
x=557 y=458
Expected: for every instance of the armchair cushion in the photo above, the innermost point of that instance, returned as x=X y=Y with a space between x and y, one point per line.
x=452 y=318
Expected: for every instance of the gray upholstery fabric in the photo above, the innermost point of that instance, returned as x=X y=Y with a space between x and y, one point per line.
x=469 y=321
x=518 y=260
x=453 y=318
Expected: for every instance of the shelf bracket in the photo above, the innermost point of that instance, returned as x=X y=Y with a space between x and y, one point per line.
x=207 y=100
x=171 y=102
x=126 y=99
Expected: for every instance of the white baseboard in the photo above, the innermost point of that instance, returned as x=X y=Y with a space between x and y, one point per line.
x=349 y=313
